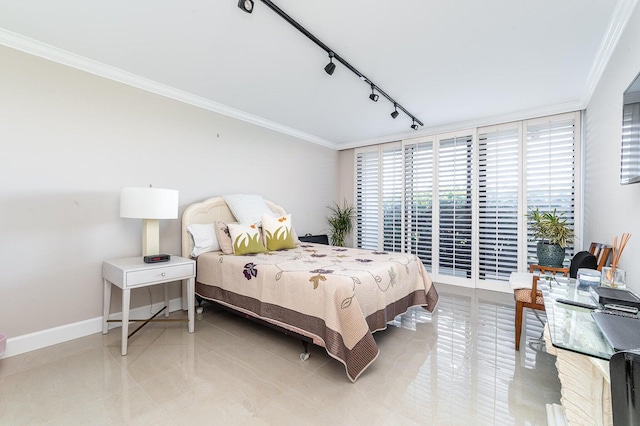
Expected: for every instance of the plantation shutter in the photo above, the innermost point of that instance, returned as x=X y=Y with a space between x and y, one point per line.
x=367 y=199
x=418 y=200
x=455 y=206
x=550 y=170
x=459 y=203
x=498 y=183
x=392 y=198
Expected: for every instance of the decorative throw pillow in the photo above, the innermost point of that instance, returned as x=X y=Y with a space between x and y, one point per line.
x=277 y=232
x=203 y=238
x=224 y=237
x=246 y=239
x=247 y=208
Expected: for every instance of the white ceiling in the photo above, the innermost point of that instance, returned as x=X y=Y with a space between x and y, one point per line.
x=450 y=63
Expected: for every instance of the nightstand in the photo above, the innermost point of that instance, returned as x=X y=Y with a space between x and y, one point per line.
x=131 y=272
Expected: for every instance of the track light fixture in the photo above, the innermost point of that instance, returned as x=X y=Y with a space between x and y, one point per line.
x=247 y=6
x=373 y=96
x=331 y=67
x=395 y=113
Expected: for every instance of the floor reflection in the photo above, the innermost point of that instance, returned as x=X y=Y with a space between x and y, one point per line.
x=474 y=375
x=457 y=366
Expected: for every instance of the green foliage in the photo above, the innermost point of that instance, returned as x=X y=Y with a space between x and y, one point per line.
x=341 y=222
x=550 y=227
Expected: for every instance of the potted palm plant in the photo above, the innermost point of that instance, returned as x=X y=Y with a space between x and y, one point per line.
x=341 y=223
x=553 y=233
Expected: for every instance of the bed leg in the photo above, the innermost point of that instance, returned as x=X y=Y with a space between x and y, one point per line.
x=199 y=308
x=305 y=355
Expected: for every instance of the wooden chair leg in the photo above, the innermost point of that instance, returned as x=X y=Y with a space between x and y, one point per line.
x=519 y=312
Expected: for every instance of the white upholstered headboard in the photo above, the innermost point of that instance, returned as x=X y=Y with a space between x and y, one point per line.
x=211 y=210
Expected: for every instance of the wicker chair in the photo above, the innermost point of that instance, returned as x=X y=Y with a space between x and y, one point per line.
x=526 y=298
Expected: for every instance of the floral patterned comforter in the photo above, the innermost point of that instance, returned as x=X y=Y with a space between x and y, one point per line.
x=337 y=296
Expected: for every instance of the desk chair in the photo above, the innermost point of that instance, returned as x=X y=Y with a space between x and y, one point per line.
x=527 y=298
x=532 y=298
x=601 y=252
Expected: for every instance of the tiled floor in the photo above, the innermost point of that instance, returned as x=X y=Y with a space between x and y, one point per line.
x=455 y=367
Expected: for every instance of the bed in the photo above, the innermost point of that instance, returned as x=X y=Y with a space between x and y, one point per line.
x=334 y=297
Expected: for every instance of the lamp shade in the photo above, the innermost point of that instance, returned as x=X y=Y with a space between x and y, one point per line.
x=149 y=203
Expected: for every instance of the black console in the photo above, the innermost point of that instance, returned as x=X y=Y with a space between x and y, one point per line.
x=318 y=239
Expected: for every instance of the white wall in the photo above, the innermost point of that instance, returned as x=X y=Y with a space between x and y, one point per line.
x=71 y=140
x=610 y=208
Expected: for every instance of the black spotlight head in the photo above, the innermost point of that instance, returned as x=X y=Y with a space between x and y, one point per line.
x=373 y=96
x=330 y=68
x=394 y=114
x=414 y=126
x=246 y=5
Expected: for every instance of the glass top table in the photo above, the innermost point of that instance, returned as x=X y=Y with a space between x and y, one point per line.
x=571 y=327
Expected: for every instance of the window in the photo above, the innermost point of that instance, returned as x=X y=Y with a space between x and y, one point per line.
x=459 y=201
x=455 y=206
x=392 y=198
x=418 y=199
x=379 y=189
x=551 y=170
x=367 y=196
x=498 y=184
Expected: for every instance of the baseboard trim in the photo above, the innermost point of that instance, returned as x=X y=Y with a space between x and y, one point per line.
x=52 y=336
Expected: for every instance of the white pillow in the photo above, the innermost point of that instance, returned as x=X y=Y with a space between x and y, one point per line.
x=203 y=238
x=247 y=208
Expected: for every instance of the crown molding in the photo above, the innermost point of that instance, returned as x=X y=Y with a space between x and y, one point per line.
x=621 y=15
x=51 y=53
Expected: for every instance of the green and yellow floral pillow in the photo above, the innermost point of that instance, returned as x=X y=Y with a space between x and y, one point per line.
x=246 y=239
x=277 y=232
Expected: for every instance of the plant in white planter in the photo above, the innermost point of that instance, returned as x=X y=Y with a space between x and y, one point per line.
x=553 y=234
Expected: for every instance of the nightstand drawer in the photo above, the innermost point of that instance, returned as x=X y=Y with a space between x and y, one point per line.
x=160 y=274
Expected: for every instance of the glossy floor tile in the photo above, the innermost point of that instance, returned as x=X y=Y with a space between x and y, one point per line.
x=455 y=367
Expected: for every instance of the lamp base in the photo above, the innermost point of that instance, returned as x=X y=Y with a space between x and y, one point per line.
x=150 y=237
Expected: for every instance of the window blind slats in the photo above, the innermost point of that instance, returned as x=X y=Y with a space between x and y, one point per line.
x=455 y=206
x=479 y=217
x=418 y=196
x=367 y=199
x=550 y=172
x=392 y=184
x=498 y=183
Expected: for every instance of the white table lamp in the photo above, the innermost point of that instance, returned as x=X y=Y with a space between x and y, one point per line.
x=149 y=204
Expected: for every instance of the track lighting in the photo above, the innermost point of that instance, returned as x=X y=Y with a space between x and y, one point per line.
x=395 y=113
x=373 y=96
x=331 y=67
x=246 y=5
